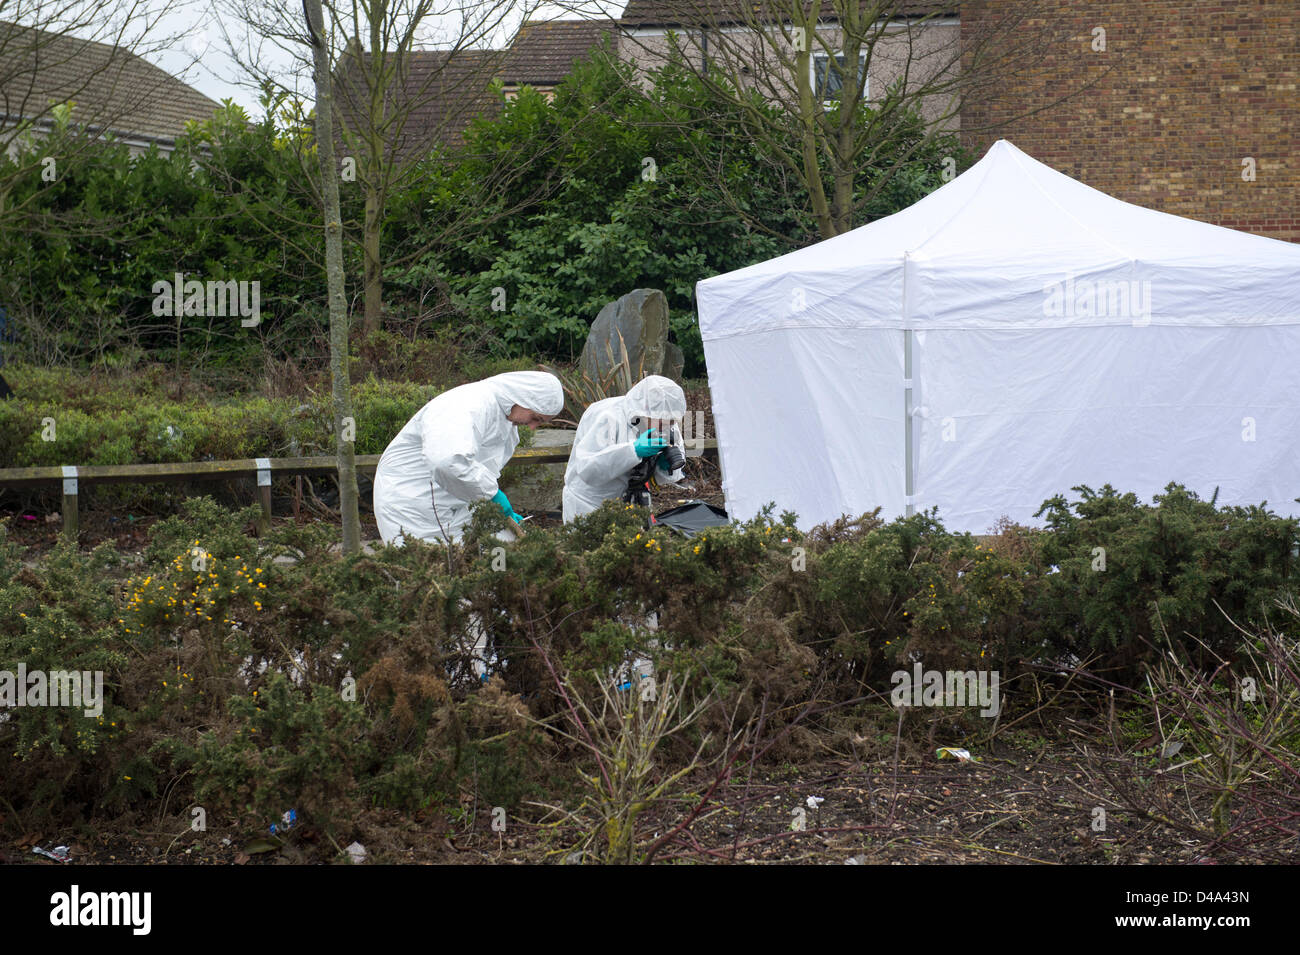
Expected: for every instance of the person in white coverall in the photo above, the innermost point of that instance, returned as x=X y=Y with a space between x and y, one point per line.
x=614 y=436
x=612 y=439
x=450 y=454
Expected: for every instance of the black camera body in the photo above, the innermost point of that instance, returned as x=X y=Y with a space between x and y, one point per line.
x=642 y=479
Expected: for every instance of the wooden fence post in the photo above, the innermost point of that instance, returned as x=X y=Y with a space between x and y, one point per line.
x=70 y=517
x=264 y=492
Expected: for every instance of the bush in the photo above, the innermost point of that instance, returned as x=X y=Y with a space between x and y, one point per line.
x=333 y=683
x=118 y=425
x=83 y=252
x=1123 y=574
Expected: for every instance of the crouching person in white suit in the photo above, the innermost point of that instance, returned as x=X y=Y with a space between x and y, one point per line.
x=614 y=436
x=617 y=434
x=450 y=455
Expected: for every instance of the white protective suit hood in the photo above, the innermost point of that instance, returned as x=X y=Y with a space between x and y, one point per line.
x=450 y=454
x=603 y=455
x=535 y=390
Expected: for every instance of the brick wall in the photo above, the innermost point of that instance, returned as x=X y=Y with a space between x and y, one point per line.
x=1185 y=90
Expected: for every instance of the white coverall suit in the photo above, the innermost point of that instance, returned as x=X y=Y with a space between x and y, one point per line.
x=450 y=454
x=603 y=455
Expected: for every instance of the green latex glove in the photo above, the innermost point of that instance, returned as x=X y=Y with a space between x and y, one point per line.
x=499 y=498
x=649 y=444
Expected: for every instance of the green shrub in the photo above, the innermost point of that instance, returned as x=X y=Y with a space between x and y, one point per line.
x=1124 y=573
x=234 y=683
x=290 y=748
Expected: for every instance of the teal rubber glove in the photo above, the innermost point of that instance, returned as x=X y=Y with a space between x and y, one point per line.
x=499 y=499
x=649 y=444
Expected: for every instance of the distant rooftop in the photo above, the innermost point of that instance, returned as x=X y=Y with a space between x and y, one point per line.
x=667 y=13
x=544 y=52
x=110 y=88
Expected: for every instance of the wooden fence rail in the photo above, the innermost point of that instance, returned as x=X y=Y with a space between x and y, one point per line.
x=261 y=468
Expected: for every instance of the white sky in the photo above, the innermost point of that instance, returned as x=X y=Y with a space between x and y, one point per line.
x=216 y=74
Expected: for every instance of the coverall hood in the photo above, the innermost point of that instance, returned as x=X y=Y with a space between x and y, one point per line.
x=655 y=397
x=534 y=390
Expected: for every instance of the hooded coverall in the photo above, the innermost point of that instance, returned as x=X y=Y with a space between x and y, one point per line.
x=603 y=452
x=450 y=454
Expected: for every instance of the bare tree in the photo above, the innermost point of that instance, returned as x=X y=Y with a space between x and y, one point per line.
x=338 y=306
x=396 y=105
x=846 y=76
x=397 y=100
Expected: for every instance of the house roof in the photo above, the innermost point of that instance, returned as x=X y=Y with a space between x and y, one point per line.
x=452 y=88
x=447 y=89
x=652 y=13
x=544 y=52
x=110 y=88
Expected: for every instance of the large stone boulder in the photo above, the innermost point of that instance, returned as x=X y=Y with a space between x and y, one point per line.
x=635 y=325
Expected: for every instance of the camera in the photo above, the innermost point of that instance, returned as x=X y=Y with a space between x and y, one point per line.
x=642 y=479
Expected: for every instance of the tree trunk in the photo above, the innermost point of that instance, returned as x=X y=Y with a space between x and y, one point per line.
x=374 y=276
x=344 y=422
x=843 y=167
x=808 y=129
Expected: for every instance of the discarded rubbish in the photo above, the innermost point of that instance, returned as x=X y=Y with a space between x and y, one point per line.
x=357 y=853
x=961 y=755
x=58 y=853
x=1171 y=749
x=627 y=684
x=856 y=860
x=286 y=822
x=815 y=801
x=628 y=677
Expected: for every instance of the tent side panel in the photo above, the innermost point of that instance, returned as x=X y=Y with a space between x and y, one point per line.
x=1014 y=417
x=811 y=419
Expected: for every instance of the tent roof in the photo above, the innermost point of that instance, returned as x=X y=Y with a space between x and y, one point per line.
x=983 y=250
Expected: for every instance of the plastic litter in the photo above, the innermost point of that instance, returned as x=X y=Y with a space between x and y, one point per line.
x=641 y=669
x=357 y=853
x=286 y=822
x=58 y=853
x=961 y=755
x=815 y=801
x=627 y=684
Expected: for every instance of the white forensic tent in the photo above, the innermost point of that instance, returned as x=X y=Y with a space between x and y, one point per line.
x=1008 y=337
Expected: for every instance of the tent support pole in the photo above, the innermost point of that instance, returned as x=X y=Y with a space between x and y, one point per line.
x=909 y=477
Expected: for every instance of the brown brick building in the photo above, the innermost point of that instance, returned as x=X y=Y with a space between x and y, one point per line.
x=1184 y=93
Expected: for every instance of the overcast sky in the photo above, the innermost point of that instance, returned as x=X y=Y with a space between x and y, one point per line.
x=203 y=60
